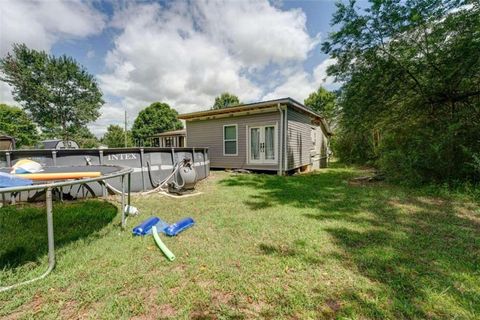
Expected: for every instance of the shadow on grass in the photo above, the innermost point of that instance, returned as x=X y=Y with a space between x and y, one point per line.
x=424 y=253
x=24 y=228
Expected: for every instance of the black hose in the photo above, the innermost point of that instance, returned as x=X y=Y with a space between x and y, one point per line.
x=149 y=169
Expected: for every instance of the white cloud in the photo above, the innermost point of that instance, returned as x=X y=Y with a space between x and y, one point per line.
x=39 y=24
x=5 y=94
x=320 y=73
x=299 y=83
x=90 y=54
x=186 y=53
x=257 y=32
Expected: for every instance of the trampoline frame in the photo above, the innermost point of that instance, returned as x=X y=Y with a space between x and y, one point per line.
x=122 y=173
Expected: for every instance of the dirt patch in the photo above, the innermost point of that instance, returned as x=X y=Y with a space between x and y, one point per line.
x=225 y=304
x=36 y=303
x=202 y=315
x=221 y=298
x=69 y=310
x=258 y=306
x=174 y=291
x=334 y=305
x=152 y=309
x=180 y=268
x=254 y=309
x=148 y=295
x=330 y=308
x=15 y=315
x=167 y=311
x=202 y=311
x=34 y=306
x=163 y=311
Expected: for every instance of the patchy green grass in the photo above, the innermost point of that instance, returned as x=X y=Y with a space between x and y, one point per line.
x=308 y=246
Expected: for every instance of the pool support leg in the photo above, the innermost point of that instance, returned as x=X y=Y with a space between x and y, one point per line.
x=129 y=179
x=122 y=179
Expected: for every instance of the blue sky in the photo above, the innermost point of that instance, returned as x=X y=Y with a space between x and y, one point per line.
x=180 y=52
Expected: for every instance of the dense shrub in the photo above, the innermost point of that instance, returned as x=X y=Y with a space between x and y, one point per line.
x=410 y=102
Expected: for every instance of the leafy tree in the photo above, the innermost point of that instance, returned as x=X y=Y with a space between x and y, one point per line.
x=57 y=92
x=156 y=118
x=16 y=123
x=84 y=137
x=410 y=102
x=225 y=100
x=115 y=137
x=323 y=102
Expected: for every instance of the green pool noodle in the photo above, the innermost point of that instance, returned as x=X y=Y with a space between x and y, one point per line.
x=170 y=256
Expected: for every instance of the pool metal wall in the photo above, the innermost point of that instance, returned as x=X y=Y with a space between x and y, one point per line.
x=161 y=161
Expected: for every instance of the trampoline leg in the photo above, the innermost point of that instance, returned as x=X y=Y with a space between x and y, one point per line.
x=123 y=203
x=129 y=187
x=51 y=246
x=51 y=242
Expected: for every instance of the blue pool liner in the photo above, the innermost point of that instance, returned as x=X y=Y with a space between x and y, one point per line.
x=8 y=180
x=179 y=226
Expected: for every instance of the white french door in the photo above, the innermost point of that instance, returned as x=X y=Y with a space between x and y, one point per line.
x=262 y=144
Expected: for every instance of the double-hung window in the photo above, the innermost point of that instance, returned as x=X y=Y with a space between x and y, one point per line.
x=230 y=143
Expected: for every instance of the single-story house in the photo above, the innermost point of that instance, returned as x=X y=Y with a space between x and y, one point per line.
x=167 y=139
x=277 y=135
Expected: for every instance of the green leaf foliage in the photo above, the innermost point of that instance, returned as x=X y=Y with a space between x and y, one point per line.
x=410 y=102
x=156 y=118
x=84 y=137
x=323 y=102
x=16 y=123
x=57 y=92
x=225 y=100
x=115 y=137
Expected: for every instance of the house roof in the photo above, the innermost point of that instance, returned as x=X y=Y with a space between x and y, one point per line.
x=6 y=137
x=52 y=144
x=171 y=133
x=256 y=106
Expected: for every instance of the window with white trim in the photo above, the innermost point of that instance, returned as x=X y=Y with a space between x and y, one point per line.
x=230 y=140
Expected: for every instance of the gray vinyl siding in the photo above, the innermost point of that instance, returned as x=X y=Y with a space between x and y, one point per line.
x=209 y=133
x=299 y=139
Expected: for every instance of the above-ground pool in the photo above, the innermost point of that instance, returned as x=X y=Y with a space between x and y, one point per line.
x=149 y=165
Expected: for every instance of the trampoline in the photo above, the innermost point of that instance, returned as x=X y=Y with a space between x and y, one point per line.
x=107 y=172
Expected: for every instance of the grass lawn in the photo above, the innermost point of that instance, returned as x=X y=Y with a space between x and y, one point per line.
x=308 y=246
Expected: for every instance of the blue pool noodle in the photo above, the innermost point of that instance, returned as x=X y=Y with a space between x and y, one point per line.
x=144 y=227
x=179 y=226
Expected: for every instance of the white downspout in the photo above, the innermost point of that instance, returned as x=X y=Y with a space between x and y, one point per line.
x=280 y=152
